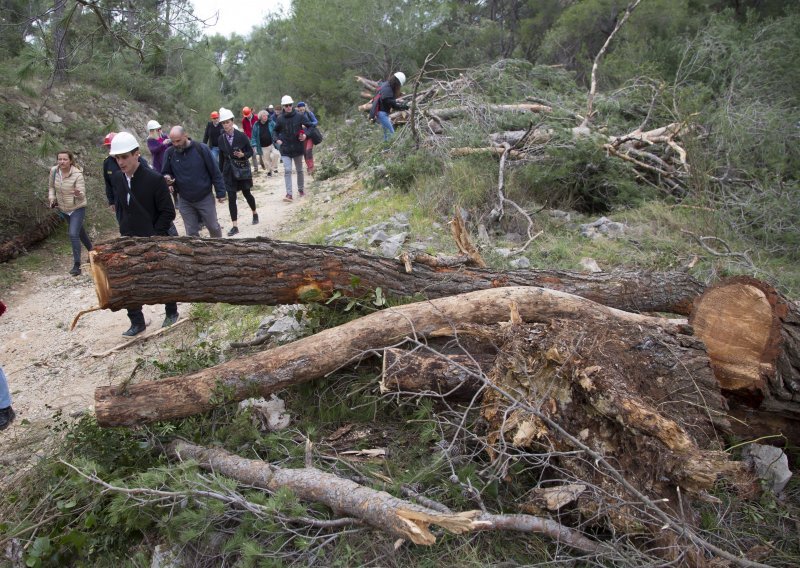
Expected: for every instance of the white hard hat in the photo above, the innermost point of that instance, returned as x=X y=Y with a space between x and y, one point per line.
x=401 y=77
x=153 y=125
x=123 y=142
x=225 y=114
x=287 y=100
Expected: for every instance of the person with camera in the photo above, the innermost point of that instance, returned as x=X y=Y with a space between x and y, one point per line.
x=67 y=192
x=146 y=210
x=235 y=153
x=291 y=138
x=389 y=93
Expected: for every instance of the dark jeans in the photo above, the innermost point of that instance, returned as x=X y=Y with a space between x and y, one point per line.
x=137 y=317
x=77 y=234
x=234 y=211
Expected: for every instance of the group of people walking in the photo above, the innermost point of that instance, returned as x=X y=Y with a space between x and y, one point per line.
x=186 y=175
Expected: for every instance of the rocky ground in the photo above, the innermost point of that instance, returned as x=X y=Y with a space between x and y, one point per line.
x=51 y=369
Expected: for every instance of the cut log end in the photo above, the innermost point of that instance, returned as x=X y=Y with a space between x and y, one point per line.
x=100 y=278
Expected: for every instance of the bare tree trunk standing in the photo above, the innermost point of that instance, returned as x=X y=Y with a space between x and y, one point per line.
x=135 y=271
x=59 y=43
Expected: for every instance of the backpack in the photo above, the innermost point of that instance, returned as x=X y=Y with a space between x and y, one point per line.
x=375 y=105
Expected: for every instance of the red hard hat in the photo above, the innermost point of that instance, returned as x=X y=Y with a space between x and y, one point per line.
x=215 y=114
x=109 y=137
x=246 y=111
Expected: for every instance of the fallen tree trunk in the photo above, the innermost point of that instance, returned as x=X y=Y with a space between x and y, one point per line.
x=135 y=271
x=378 y=509
x=496 y=150
x=12 y=248
x=316 y=356
x=456 y=111
x=752 y=334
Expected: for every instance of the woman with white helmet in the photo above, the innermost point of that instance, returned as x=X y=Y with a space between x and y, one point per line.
x=389 y=93
x=157 y=143
x=235 y=153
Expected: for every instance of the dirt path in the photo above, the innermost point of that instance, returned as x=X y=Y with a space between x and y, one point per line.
x=50 y=368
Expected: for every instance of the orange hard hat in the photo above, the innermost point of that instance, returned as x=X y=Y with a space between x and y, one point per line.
x=109 y=137
x=215 y=114
x=246 y=111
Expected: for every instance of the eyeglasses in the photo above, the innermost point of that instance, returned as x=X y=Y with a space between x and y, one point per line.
x=124 y=156
x=287 y=106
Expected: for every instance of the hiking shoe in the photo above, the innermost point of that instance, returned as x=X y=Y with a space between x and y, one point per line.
x=169 y=320
x=76 y=270
x=134 y=329
x=6 y=417
x=288 y=198
x=275 y=171
x=301 y=193
x=233 y=231
x=269 y=174
x=255 y=218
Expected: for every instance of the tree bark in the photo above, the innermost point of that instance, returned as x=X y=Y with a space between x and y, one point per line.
x=379 y=509
x=455 y=376
x=752 y=334
x=316 y=356
x=135 y=271
x=12 y=248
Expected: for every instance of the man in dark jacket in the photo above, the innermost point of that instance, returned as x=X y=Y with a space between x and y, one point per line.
x=290 y=138
x=146 y=209
x=191 y=169
x=212 y=134
x=109 y=167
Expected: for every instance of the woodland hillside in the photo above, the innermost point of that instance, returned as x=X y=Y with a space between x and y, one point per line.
x=549 y=321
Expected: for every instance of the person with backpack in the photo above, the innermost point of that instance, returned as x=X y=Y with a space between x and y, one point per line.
x=67 y=191
x=235 y=153
x=309 y=121
x=211 y=135
x=146 y=210
x=191 y=169
x=291 y=137
x=385 y=100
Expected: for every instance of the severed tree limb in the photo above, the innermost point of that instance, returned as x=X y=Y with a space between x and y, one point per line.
x=316 y=356
x=132 y=271
x=502 y=199
x=496 y=150
x=453 y=376
x=378 y=509
x=464 y=243
x=593 y=88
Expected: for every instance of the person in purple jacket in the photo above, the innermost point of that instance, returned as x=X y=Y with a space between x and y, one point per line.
x=157 y=143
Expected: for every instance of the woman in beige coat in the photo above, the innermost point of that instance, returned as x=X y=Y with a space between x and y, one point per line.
x=67 y=191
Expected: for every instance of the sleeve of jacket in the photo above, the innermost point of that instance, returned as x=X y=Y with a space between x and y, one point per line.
x=109 y=187
x=247 y=149
x=166 y=169
x=165 y=209
x=255 y=137
x=51 y=183
x=156 y=147
x=216 y=175
x=80 y=184
x=207 y=134
x=312 y=120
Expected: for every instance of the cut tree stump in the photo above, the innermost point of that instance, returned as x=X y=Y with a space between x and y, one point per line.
x=144 y=271
x=752 y=334
x=316 y=356
x=379 y=509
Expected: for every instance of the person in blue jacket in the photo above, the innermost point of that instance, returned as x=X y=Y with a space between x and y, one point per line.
x=191 y=169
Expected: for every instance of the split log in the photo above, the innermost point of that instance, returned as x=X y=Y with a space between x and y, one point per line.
x=137 y=271
x=16 y=246
x=752 y=334
x=379 y=509
x=455 y=376
x=316 y=356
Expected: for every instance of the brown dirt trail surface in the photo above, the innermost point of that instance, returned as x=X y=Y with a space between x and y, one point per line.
x=50 y=368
